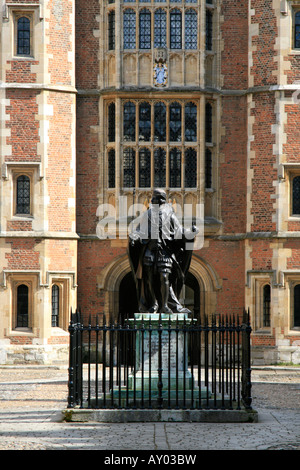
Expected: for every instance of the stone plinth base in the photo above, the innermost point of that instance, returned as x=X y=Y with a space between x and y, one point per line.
x=146 y=416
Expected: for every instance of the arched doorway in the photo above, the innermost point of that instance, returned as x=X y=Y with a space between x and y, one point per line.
x=128 y=303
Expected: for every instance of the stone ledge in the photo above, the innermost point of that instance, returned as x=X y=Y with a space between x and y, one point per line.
x=150 y=416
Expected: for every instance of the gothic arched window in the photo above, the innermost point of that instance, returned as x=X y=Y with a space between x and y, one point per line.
x=208 y=168
x=160 y=168
x=266 y=305
x=111 y=30
x=160 y=28
x=111 y=169
x=145 y=122
x=160 y=122
x=191 y=28
x=190 y=122
x=23 y=36
x=111 y=122
x=55 y=306
x=190 y=168
x=175 y=122
x=175 y=29
x=23 y=195
x=175 y=168
x=209 y=30
x=145 y=29
x=22 y=306
x=129 y=29
x=129 y=168
x=144 y=168
x=129 y=122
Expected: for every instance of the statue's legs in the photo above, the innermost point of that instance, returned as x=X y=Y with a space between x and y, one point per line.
x=165 y=289
x=148 y=289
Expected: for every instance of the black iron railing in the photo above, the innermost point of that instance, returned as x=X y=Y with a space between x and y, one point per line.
x=160 y=364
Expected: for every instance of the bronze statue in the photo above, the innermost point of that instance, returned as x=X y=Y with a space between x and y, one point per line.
x=159 y=258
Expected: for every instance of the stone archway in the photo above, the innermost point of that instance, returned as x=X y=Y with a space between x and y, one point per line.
x=202 y=279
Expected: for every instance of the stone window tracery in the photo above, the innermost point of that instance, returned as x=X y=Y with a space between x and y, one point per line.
x=158 y=146
x=160 y=28
x=190 y=122
x=145 y=29
x=191 y=29
x=129 y=29
x=175 y=29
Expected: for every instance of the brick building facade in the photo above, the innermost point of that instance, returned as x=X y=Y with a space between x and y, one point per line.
x=101 y=101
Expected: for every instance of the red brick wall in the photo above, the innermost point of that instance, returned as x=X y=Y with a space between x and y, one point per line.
x=234 y=29
x=233 y=167
x=264 y=173
x=264 y=63
x=23 y=254
x=23 y=125
x=59 y=171
x=59 y=32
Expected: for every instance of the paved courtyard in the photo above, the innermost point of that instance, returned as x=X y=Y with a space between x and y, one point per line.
x=32 y=398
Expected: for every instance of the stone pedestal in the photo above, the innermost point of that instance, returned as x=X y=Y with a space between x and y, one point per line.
x=161 y=367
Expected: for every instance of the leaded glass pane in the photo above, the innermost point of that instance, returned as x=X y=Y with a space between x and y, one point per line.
x=175 y=29
x=129 y=29
x=208 y=122
x=144 y=168
x=297 y=30
x=297 y=305
x=23 y=195
x=266 y=305
x=111 y=169
x=159 y=122
x=111 y=30
x=175 y=168
x=23 y=43
x=296 y=195
x=22 y=306
x=145 y=122
x=55 y=306
x=190 y=122
x=111 y=122
x=145 y=29
x=191 y=29
x=160 y=168
x=129 y=168
x=208 y=169
x=129 y=122
x=190 y=168
x=175 y=122
x=160 y=28
x=209 y=30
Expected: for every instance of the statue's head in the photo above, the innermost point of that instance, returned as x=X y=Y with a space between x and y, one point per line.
x=159 y=196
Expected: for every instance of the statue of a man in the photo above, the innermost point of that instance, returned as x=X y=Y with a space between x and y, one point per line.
x=159 y=258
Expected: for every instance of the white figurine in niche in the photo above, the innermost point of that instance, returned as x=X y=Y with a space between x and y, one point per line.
x=160 y=73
